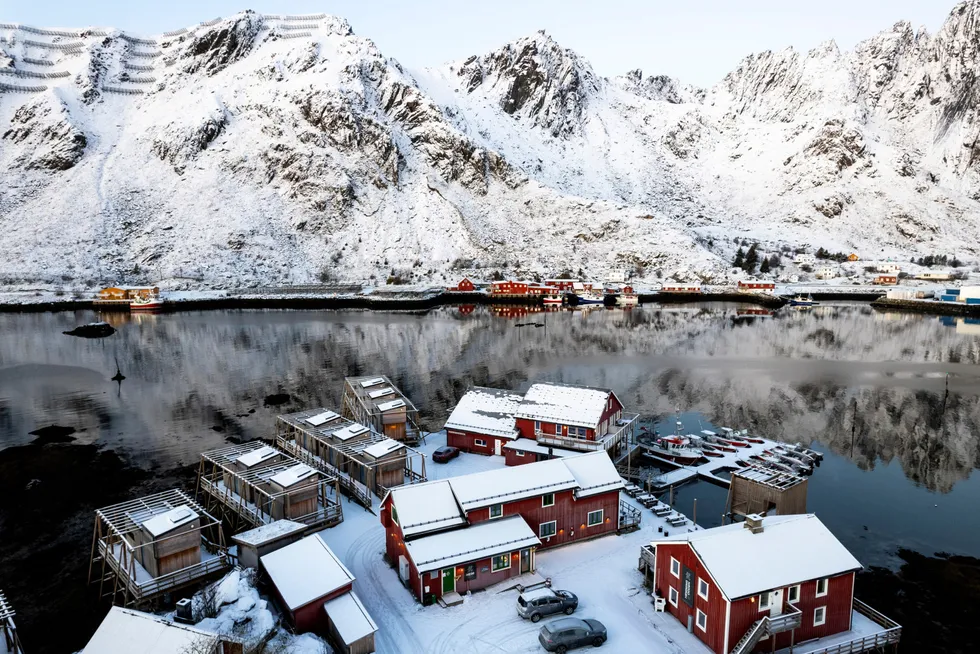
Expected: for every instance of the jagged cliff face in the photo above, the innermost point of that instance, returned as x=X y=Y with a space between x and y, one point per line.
x=270 y=149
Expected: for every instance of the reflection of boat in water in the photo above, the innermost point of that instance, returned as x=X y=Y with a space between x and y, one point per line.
x=800 y=301
x=553 y=300
x=146 y=304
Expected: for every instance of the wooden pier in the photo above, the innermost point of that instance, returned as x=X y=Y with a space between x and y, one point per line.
x=376 y=403
x=9 y=640
x=144 y=548
x=253 y=484
x=363 y=460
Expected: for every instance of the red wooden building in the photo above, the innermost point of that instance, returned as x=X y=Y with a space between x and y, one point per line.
x=573 y=417
x=757 y=287
x=559 y=501
x=508 y=288
x=522 y=451
x=885 y=280
x=464 y=286
x=307 y=578
x=483 y=421
x=560 y=284
x=781 y=577
x=681 y=288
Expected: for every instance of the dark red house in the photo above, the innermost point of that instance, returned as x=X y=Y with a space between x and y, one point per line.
x=464 y=286
x=560 y=284
x=559 y=501
x=508 y=288
x=308 y=577
x=781 y=577
x=573 y=417
x=483 y=421
x=754 y=286
x=524 y=450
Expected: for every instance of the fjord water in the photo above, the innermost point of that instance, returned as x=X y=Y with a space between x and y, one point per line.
x=892 y=400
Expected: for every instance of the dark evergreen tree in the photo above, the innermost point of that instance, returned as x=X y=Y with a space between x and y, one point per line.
x=775 y=262
x=739 y=258
x=751 y=259
x=764 y=267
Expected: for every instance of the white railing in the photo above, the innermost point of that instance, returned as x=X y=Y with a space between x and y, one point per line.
x=890 y=636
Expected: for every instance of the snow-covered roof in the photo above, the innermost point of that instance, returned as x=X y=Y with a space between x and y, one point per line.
x=349 y=432
x=374 y=381
x=480 y=541
x=513 y=483
x=381 y=392
x=388 y=406
x=305 y=571
x=349 y=616
x=256 y=456
x=567 y=405
x=125 y=631
x=322 y=418
x=292 y=476
x=594 y=472
x=426 y=507
x=486 y=411
x=528 y=445
x=163 y=523
x=383 y=448
x=268 y=533
x=791 y=549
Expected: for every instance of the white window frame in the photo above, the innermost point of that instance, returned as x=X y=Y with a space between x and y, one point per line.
x=588 y=518
x=675 y=567
x=493 y=559
x=791 y=596
x=547 y=504
x=826 y=587
x=479 y=442
x=705 y=584
x=700 y=617
x=499 y=515
x=537 y=425
x=541 y=534
x=557 y=429
x=822 y=610
x=434 y=574
x=520 y=453
x=768 y=603
x=672 y=596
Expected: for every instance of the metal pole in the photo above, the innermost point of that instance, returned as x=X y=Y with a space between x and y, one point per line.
x=695 y=512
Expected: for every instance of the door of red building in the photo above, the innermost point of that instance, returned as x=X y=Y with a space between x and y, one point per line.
x=525 y=561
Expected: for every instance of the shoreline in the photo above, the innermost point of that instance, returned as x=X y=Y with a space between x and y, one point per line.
x=928 y=307
x=418 y=301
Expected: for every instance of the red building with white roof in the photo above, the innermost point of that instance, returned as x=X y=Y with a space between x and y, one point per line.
x=463 y=521
x=781 y=577
x=483 y=421
x=754 y=286
x=464 y=286
x=573 y=417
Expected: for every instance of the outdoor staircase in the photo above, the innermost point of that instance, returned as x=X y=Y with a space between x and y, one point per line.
x=791 y=618
x=752 y=637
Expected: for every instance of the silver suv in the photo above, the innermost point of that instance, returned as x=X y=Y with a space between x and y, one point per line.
x=535 y=604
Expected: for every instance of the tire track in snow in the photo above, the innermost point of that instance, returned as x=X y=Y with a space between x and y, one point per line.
x=395 y=633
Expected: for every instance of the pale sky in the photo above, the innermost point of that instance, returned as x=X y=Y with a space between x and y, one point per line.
x=698 y=42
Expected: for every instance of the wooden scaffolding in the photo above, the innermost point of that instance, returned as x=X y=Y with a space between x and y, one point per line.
x=153 y=545
x=250 y=488
x=363 y=460
x=375 y=402
x=10 y=640
x=766 y=492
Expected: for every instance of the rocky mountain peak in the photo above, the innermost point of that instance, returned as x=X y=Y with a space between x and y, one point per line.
x=660 y=88
x=536 y=80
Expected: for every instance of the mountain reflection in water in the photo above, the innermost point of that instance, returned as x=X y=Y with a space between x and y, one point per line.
x=893 y=394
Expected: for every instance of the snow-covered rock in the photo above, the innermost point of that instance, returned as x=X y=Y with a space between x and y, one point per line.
x=268 y=149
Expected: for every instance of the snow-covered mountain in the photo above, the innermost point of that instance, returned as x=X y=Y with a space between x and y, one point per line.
x=272 y=149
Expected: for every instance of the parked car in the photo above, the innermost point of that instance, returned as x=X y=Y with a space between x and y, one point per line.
x=535 y=604
x=568 y=633
x=445 y=454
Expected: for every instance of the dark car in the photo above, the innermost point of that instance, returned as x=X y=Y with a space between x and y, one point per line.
x=445 y=453
x=535 y=604
x=568 y=633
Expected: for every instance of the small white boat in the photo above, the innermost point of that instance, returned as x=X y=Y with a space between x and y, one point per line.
x=800 y=301
x=145 y=304
x=674 y=448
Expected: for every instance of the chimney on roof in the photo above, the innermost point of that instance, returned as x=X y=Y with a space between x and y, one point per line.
x=753 y=522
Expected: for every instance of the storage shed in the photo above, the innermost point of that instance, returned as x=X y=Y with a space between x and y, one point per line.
x=309 y=580
x=377 y=403
x=758 y=490
x=256 y=543
x=350 y=626
x=168 y=541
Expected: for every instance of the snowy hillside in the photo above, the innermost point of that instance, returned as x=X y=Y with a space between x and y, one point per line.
x=285 y=149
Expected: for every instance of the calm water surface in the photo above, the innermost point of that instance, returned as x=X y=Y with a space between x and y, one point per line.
x=892 y=400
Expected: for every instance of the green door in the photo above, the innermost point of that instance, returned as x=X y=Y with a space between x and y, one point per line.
x=449 y=580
